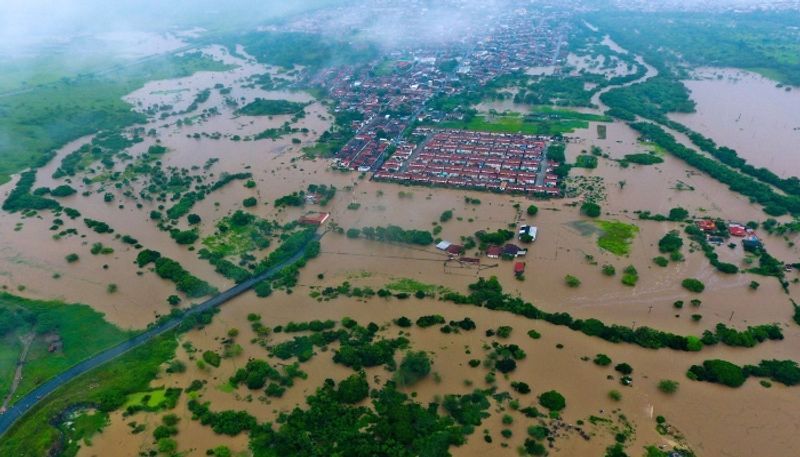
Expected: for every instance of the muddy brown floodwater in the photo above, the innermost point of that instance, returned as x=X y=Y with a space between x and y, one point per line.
x=749 y=113
x=715 y=420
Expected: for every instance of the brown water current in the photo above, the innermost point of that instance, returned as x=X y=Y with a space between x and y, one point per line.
x=749 y=113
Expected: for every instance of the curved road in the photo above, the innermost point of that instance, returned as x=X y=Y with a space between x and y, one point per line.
x=27 y=402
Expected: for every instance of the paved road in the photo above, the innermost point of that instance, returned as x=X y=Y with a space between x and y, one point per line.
x=27 y=402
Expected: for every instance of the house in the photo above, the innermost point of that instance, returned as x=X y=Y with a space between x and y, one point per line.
x=494 y=252
x=314 y=218
x=513 y=250
x=528 y=230
x=752 y=243
x=519 y=268
x=707 y=225
x=443 y=245
x=454 y=249
x=737 y=230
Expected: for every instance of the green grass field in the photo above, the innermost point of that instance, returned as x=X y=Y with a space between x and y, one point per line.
x=542 y=120
x=82 y=330
x=10 y=347
x=616 y=237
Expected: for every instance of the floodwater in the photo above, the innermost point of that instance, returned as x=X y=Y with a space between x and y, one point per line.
x=749 y=113
x=27 y=268
x=567 y=244
x=546 y=367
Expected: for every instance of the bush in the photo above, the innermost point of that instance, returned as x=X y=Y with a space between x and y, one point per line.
x=532 y=210
x=415 y=366
x=670 y=242
x=590 y=209
x=504 y=331
x=609 y=270
x=678 y=214
x=668 y=386
x=63 y=190
x=193 y=219
x=263 y=289
x=552 y=400
x=521 y=387
x=353 y=389
x=624 y=368
x=572 y=281
x=353 y=233
x=602 y=360
x=72 y=258
x=533 y=447
x=661 y=261
x=693 y=285
x=506 y=365
x=427 y=321
x=249 y=202
x=718 y=371
x=615 y=395
x=212 y=358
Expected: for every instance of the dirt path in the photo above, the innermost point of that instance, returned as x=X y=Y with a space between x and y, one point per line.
x=27 y=341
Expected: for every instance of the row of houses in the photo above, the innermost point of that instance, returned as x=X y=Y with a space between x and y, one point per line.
x=484 y=183
x=500 y=162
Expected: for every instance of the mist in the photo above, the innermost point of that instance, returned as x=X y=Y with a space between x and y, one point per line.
x=28 y=27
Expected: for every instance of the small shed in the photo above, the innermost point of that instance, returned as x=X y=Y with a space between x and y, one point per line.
x=519 y=268
x=314 y=218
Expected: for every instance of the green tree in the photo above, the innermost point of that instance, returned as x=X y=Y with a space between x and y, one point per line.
x=552 y=400
x=353 y=389
x=590 y=209
x=415 y=366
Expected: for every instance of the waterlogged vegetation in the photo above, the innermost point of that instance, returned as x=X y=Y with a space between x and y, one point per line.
x=723 y=372
x=263 y=107
x=542 y=120
x=47 y=117
x=489 y=294
x=393 y=234
x=616 y=237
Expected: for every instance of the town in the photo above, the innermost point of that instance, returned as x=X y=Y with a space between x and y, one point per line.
x=398 y=97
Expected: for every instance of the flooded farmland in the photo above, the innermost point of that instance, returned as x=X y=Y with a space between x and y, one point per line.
x=613 y=300
x=749 y=113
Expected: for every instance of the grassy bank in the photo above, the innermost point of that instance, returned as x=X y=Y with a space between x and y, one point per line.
x=75 y=332
x=106 y=387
